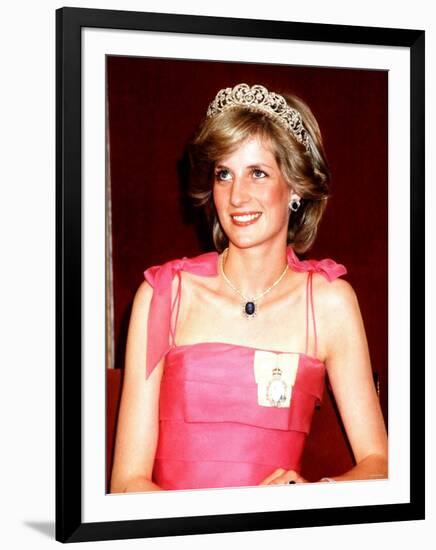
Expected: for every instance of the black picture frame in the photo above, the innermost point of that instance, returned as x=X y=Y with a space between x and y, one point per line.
x=69 y=23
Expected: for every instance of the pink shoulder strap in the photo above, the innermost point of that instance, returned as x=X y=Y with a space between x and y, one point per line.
x=159 y=317
x=329 y=269
x=309 y=298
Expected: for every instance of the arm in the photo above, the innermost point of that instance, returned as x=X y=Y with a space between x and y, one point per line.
x=138 y=420
x=349 y=369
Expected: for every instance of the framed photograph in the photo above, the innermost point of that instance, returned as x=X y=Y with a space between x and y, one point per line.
x=132 y=89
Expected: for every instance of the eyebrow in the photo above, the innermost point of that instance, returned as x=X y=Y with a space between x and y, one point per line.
x=260 y=164
x=255 y=165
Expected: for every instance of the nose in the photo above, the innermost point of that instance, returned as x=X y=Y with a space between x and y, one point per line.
x=239 y=194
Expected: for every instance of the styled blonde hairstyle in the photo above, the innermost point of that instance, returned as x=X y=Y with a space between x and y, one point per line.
x=305 y=171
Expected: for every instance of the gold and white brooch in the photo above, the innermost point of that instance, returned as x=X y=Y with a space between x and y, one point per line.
x=275 y=375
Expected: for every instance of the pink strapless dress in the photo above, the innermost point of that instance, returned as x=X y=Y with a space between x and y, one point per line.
x=212 y=430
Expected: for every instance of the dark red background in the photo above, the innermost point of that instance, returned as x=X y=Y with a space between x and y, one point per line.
x=154 y=106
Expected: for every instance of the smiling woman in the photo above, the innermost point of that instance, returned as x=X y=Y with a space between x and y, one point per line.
x=292 y=151
x=235 y=351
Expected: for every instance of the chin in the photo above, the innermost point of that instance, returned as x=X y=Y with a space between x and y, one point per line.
x=246 y=242
x=250 y=241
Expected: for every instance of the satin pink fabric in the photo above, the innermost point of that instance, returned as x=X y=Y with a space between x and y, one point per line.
x=212 y=431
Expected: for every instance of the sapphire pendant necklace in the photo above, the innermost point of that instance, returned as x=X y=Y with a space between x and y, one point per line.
x=249 y=304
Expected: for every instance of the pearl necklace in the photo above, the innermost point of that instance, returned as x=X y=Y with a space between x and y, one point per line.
x=249 y=305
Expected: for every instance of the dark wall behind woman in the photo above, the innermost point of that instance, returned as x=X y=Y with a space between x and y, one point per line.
x=154 y=106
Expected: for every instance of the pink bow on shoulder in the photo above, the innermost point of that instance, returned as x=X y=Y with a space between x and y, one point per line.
x=159 y=317
x=326 y=267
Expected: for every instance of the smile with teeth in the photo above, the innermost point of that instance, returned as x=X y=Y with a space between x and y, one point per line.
x=245 y=219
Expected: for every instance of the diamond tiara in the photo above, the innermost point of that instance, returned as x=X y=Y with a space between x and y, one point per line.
x=258 y=98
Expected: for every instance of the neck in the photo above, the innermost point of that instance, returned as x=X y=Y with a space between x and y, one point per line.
x=253 y=270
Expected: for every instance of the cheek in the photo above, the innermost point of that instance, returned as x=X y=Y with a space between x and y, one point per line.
x=277 y=198
x=218 y=196
x=215 y=195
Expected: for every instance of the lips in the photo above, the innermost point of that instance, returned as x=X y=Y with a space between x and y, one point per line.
x=245 y=218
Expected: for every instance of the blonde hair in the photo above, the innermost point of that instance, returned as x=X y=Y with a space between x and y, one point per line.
x=306 y=172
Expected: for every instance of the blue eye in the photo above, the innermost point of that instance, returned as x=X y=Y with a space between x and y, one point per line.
x=259 y=174
x=222 y=175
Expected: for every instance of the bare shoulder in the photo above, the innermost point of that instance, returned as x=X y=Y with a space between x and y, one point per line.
x=337 y=314
x=335 y=300
x=195 y=285
x=143 y=295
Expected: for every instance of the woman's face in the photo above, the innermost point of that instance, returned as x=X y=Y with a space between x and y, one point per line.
x=251 y=196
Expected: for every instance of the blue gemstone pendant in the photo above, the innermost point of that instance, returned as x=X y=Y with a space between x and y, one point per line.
x=249 y=309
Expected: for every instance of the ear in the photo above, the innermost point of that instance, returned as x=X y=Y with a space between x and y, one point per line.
x=293 y=196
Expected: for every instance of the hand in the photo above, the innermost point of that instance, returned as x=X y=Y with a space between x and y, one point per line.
x=282 y=477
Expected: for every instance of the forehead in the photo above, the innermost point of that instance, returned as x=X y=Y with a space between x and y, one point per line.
x=253 y=149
